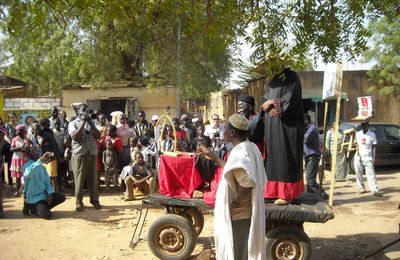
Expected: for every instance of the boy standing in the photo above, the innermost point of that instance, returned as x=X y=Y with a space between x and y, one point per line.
x=110 y=159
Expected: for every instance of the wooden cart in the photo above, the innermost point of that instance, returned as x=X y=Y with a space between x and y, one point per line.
x=174 y=235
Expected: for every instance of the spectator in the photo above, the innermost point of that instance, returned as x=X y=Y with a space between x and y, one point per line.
x=152 y=134
x=116 y=141
x=11 y=134
x=246 y=107
x=84 y=151
x=134 y=148
x=168 y=142
x=60 y=135
x=103 y=128
x=3 y=133
x=124 y=133
x=40 y=196
x=216 y=132
x=110 y=161
x=312 y=156
x=64 y=122
x=141 y=124
x=191 y=132
x=200 y=139
x=43 y=141
x=138 y=176
x=341 y=160
x=20 y=148
x=180 y=135
x=53 y=117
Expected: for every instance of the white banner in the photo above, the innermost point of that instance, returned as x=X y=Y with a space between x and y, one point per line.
x=332 y=78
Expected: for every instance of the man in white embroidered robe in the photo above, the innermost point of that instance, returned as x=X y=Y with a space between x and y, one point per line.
x=239 y=216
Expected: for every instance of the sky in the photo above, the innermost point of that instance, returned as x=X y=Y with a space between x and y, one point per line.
x=246 y=51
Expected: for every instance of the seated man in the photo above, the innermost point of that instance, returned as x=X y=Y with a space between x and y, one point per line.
x=39 y=193
x=139 y=176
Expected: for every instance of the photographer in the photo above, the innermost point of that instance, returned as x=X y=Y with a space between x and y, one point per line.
x=84 y=156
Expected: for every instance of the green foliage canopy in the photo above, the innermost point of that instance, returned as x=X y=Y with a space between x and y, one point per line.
x=52 y=42
x=385 y=51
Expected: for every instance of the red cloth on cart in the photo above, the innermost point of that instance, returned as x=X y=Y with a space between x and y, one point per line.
x=178 y=176
x=209 y=195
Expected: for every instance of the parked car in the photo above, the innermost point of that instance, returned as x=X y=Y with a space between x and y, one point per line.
x=388 y=137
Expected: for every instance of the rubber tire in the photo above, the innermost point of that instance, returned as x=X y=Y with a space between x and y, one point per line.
x=197 y=219
x=288 y=232
x=193 y=214
x=180 y=223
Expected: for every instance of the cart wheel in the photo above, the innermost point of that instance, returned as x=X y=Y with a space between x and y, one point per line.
x=171 y=237
x=288 y=243
x=195 y=216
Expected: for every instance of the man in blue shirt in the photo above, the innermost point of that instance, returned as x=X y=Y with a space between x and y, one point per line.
x=39 y=194
x=312 y=155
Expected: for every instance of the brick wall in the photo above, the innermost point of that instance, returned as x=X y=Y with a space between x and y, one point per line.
x=23 y=107
x=31 y=103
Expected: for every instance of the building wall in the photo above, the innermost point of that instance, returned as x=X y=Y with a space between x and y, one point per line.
x=152 y=101
x=215 y=105
x=33 y=103
x=355 y=84
x=222 y=103
x=23 y=107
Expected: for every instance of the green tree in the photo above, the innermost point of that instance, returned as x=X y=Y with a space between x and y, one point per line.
x=105 y=41
x=385 y=52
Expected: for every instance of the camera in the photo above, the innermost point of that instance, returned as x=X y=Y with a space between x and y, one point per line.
x=88 y=114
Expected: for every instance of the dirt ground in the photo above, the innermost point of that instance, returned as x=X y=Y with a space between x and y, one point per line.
x=362 y=224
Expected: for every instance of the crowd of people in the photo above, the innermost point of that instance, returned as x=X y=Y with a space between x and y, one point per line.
x=265 y=161
x=93 y=149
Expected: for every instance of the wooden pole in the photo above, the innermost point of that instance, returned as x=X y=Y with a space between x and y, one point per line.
x=338 y=87
x=323 y=158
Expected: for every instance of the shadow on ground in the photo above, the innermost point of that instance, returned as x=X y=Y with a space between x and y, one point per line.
x=354 y=247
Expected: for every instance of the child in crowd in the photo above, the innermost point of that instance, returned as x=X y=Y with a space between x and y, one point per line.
x=133 y=147
x=138 y=176
x=110 y=160
x=20 y=147
x=67 y=156
x=200 y=139
x=60 y=137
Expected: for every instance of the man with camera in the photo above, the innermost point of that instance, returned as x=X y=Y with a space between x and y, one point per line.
x=84 y=134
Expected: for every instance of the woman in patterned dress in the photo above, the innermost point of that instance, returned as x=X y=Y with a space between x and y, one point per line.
x=20 y=148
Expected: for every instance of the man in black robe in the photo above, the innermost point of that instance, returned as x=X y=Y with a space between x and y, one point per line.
x=284 y=134
x=246 y=107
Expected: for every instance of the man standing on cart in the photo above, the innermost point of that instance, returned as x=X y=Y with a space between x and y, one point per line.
x=239 y=216
x=284 y=135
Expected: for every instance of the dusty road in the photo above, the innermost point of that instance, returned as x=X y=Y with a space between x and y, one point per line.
x=362 y=224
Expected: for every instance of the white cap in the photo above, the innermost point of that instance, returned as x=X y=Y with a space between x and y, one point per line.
x=194 y=120
x=154 y=118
